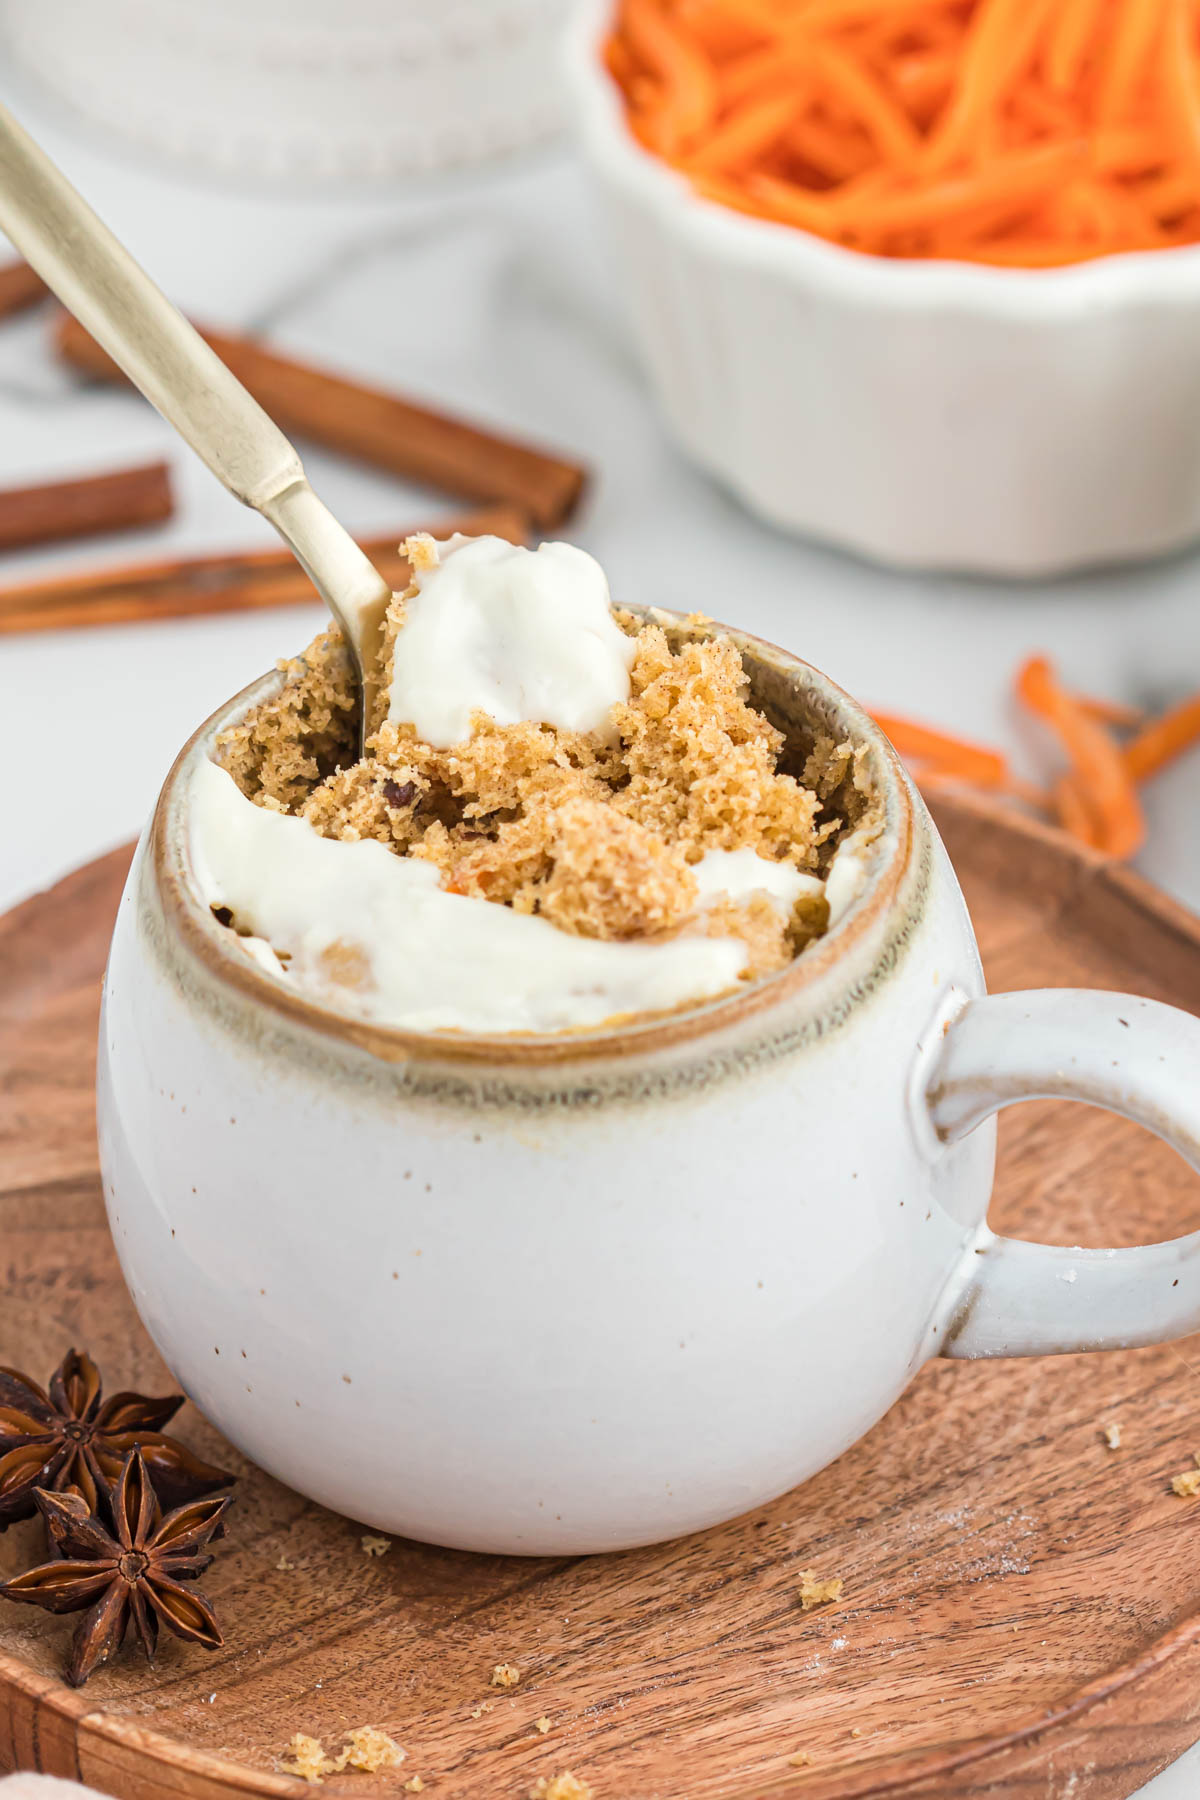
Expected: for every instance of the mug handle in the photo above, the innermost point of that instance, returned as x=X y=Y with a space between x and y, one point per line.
x=1132 y=1056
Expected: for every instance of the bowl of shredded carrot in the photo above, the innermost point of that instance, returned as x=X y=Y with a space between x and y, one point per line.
x=919 y=277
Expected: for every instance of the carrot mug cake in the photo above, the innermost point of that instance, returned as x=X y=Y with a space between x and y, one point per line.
x=569 y=1124
x=562 y=818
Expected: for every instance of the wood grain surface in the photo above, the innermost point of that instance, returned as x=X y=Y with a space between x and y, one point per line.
x=1021 y=1617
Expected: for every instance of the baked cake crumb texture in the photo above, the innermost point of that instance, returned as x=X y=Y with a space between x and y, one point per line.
x=305 y=1756
x=800 y=1760
x=814 y=1591
x=414 y=1785
x=566 y=1786
x=366 y=1748
x=505 y=1675
x=369 y=1749
x=1187 y=1485
x=597 y=833
x=420 y=551
x=542 y=1725
x=1112 y=1436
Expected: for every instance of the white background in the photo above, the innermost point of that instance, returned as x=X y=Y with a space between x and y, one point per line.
x=491 y=293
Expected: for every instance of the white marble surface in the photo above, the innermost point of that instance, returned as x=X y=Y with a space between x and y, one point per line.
x=492 y=293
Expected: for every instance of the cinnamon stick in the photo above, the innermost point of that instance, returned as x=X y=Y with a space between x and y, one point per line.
x=375 y=426
x=98 y=503
x=239 y=581
x=19 y=288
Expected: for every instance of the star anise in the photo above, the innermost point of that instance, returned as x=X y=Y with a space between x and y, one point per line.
x=134 y=1576
x=68 y=1439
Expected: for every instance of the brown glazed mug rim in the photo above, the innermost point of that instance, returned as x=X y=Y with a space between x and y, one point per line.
x=213 y=947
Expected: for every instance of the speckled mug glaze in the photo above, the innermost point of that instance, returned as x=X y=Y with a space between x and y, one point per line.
x=575 y=1293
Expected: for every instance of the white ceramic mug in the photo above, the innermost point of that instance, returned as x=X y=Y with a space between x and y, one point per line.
x=577 y=1293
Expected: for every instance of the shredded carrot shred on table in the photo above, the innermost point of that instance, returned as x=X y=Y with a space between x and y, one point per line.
x=1017 y=133
x=1103 y=783
x=1160 y=742
x=1112 y=712
x=1074 y=814
x=1095 y=799
x=948 y=755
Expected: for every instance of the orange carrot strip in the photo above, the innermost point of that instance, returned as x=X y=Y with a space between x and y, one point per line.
x=971 y=762
x=832 y=153
x=741 y=199
x=721 y=30
x=1160 y=742
x=1138 y=24
x=741 y=137
x=1002 y=38
x=1045 y=113
x=1128 y=150
x=1097 y=764
x=794 y=205
x=1168 y=197
x=1074 y=815
x=1179 y=81
x=835 y=15
x=1013 y=180
x=922 y=82
x=1072 y=34
x=686 y=73
x=878 y=114
x=1111 y=712
x=764 y=72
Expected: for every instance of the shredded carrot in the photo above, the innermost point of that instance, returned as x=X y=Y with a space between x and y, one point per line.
x=687 y=83
x=1074 y=814
x=1112 y=712
x=1164 y=739
x=1095 y=798
x=950 y=755
x=1016 y=133
x=1102 y=778
x=744 y=133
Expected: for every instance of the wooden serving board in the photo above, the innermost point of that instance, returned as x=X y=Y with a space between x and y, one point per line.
x=1021 y=1616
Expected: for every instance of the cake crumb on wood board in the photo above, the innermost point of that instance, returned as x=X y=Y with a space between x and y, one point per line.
x=817 y=1591
x=542 y=1725
x=375 y=1546
x=566 y=1786
x=305 y=1756
x=366 y=1748
x=1187 y=1485
x=505 y=1675
x=1112 y=1436
x=800 y=1760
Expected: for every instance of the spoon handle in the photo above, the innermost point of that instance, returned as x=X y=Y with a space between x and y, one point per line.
x=111 y=295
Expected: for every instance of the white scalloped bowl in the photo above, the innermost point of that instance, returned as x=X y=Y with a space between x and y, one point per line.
x=931 y=415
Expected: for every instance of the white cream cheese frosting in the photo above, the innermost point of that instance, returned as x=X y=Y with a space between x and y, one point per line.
x=371 y=933
x=514 y=633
